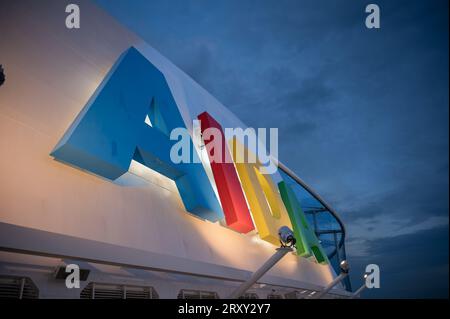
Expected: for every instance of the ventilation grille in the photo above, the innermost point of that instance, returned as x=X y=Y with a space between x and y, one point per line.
x=274 y=296
x=17 y=288
x=111 y=291
x=197 y=294
x=302 y=294
x=249 y=295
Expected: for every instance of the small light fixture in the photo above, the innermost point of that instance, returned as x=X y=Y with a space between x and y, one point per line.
x=286 y=236
x=2 y=75
x=344 y=266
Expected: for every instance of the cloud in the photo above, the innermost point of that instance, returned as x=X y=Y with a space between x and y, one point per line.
x=411 y=266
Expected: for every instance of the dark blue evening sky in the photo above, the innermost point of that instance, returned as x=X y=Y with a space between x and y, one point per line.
x=363 y=114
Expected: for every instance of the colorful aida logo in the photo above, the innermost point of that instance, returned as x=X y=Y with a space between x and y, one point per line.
x=132 y=116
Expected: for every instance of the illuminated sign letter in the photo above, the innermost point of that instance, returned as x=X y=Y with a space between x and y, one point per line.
x=262 y=195
x=307 y=242
x=237 y=215
x=130 y=117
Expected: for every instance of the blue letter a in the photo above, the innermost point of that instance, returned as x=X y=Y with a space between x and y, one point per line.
x=111 y=131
